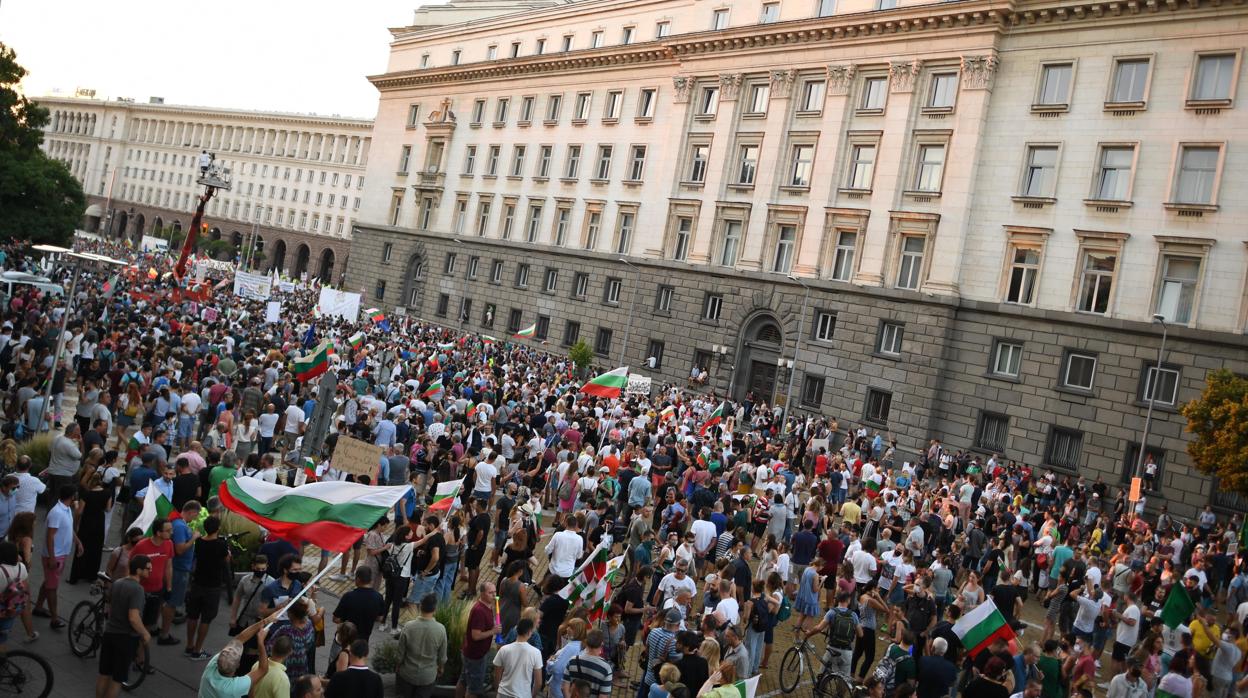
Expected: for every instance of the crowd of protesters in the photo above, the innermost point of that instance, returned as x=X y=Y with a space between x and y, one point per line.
x=761 y=528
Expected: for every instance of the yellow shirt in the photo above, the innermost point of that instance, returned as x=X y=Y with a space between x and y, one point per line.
x=274 y=684
x=1201 y=642
x=851 y=512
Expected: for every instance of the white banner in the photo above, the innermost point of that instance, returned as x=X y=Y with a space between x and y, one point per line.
x=637 y=385
x=273 y=312
x=286 y=286
x=257 y=287
x=343 y=304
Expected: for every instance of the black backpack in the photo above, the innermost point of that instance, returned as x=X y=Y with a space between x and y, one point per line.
x=761 y=617
x=842 y=631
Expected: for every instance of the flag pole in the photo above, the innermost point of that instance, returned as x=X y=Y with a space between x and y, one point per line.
x=311 y=582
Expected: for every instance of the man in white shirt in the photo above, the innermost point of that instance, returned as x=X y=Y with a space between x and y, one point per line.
x=29 y=487
x=704 y=535
x=1127 y=632
x=485 y=483
x=728 y=608
x=518 y=666
x=864 y=566
x=675 y=581
x=563 y=550
x=294 y=424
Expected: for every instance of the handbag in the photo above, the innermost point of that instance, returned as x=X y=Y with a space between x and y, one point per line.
x=235 y=627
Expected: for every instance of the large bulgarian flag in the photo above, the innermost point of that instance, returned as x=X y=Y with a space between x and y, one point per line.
x=434 y=389
x=331 y=515
x=155 y=505
x=609 y=384
x=527 y=333
x=314 y=363
x=445 y=494
x=356 y=340
x=716 y=417
x=981 y=627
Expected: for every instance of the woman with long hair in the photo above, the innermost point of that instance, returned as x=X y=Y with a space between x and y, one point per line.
x=246 y=433
x=95 y=503
x=22 y=534
x=396 y=585
x=451 y=554
x=129 y=410
x=343 y=637
x=721 y=683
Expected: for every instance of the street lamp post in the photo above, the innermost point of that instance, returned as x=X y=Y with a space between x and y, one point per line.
x=1152 y=395
x=632 y=310
x=797 y=345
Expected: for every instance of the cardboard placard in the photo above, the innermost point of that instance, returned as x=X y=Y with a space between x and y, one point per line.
x=356 y=457
x=816 y=444
x=1135 y=489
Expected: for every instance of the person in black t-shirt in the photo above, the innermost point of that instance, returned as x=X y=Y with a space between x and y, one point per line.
x=1008 y=598
x=427 y=559
x=361 y=606
x=185 y=485
x=203 y=599
x=502 y=522
x=476 y=542
x=357 y=681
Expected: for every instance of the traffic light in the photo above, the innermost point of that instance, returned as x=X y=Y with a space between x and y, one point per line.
x=203 y=229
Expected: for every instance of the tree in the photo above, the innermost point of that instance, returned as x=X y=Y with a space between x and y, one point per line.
x=1219 y=419
x=581 y=355
x=40 y=199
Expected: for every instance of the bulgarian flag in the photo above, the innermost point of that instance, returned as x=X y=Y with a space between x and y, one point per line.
x=873 y=487
x=378 y=318
x=488 y=340
x=981 y=627
x=434 y=389
x=309 y=467
x=331 y=515
x=716 y=417
x=527 y=333
x=668 y=412
x=749 y=687
x=472 y=410
x=155 y=505
x=596 y=600
x=609 y=384
x=444 y=496
x=356 y=340
x=447 y=346
x=314 y=363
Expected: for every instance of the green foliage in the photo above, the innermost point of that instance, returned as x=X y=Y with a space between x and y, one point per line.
x=385 y=657
x=581 y=354
x=39 y=448
x=40 y=199
x=1219 y=419
x=454 y=617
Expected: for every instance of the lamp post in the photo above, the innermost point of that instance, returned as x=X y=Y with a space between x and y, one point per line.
x=1152 y=395
x=632 y=309
x=797 y=345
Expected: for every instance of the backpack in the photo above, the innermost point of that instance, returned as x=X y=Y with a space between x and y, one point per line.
x=13 y=598
x=842 y=631
x=886 y=671
x=786 y=610
x=565 y=489
x=761 y=617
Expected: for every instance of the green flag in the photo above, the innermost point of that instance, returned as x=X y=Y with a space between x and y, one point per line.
x=1243 y=534
x=1178 y=608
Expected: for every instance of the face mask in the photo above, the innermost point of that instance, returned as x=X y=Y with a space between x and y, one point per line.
x=258 y=573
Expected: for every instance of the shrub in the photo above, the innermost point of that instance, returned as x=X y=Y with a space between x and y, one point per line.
x=454 y=617
x=385 y=658
x=39 y=449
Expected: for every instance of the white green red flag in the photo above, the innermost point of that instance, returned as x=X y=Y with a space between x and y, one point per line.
x=314 y=363
x=445 y=494
x=434 y=389
x=472 y=410
x=590 y=585
x=155 y=505
x=446 y=346
x=716 y=417
x=331 y=515
x=980 y=627
x=873 y=487
x=749 y=687
x=356 y=340
x=668 y=412
x=609 y=384
x=527 y=333
x=309 y=469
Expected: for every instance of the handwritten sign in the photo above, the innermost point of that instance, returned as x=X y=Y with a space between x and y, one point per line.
x=356 y=457
x=816 y=444
x=637 y=385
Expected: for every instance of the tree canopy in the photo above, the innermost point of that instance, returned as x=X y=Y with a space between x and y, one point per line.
x=41 y=200
x=1219 y=420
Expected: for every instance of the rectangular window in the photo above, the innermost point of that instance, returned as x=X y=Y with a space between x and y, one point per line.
x=517 y=161
x=448 y=266
x=396 y=209
x=603 y=170
x=455 y=56
x=387 y=251
x=874 y=94
x=1176 y=298
x=380 y=291
x=662 y=30
x=583 y=102
x=514 y=319
x=645 y=102
x=1079 y=371
x=413 y=119
x=698 y=155
x=573 y=165
x=943 y=91
x=812 y=390
x=483 y=218
x=543 y=327
x=615 y=102
x=1096 y=281
x=890 y=338
x=566 y=45
x=1024 y=268
x=444 y=303
x=571 y=333
x=663 y=299
x=827 y=8
x=930 y=168
x=491 y=53
x=1113 y=178
x=478 y=111
x=759 y=94
x=654 y=354
x=1162 y=384
x=861 y=166
x=1214 y=78
x=825 y=326
x=1054 y=88
x=551 y=284
x=993 y=432
x=1064 y=448
x=708 y=101
x=595 y=40
x=712 y=306
x=624 y=235
x=535 y=222
x=1154 y=460
x=491 y=164
x=509 y=219
x=457 y=221
x=786 y=240
x=1129 y=81
x=543 y=161
x=637 y=163
x=496 y=272
x=554 y=104
x=561 y=226
x=405 y=159
x=732 y=241
x=488 y=314
x=540 y=47
x=592 y=228
x=1040 y=177
x=580 y=285
x=684 y=234
x=747 y=164
x=843 y=260
x=910 y=263
x=802 y=162
x=602 y=342
x=719 y=20
x=473 y=263
x=1007 y=358
x=771 y=13
x=877 y=406
x=1198 y=170
x=526 y=110
x=500 y=111
x=611 y=292
x=627 y=37
x=515 y=49
x=812 y=96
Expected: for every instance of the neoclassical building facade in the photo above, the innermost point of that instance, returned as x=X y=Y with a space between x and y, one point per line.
x=951 y=220
x=298 y=179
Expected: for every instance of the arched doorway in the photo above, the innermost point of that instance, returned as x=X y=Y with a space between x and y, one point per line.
x=302 y=254
x=140 y=226
x=119 y=225
x=158 y=227
x=92 y=215
x=413 y=282
x=177 y=228
x=762 y=345
x=326 y=273
x=279 y=256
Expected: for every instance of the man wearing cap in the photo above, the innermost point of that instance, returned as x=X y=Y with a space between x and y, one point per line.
x=660 y=648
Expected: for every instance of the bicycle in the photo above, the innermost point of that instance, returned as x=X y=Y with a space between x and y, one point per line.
x=25 y=674
x=798 y=660
x=86 y=631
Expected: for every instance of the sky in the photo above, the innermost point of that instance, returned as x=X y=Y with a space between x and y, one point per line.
x=271 y=55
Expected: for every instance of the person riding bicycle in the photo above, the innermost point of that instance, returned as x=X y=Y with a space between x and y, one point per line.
x=124 y=628
x=843 y=630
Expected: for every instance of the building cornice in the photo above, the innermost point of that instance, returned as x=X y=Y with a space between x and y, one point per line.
x=208 y=113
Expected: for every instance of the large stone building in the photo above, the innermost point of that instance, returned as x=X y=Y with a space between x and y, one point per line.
x=949 y=220
x=298 y=178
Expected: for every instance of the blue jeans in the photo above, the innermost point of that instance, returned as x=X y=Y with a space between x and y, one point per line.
x=754 y=644
x=422 y=585
x=447 y=581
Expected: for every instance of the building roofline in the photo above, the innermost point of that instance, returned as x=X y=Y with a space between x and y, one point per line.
x=212 y=111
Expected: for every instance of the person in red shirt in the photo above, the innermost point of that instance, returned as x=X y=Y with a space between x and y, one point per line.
x=481 y=631
x=831 y=553
x=157 y=585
